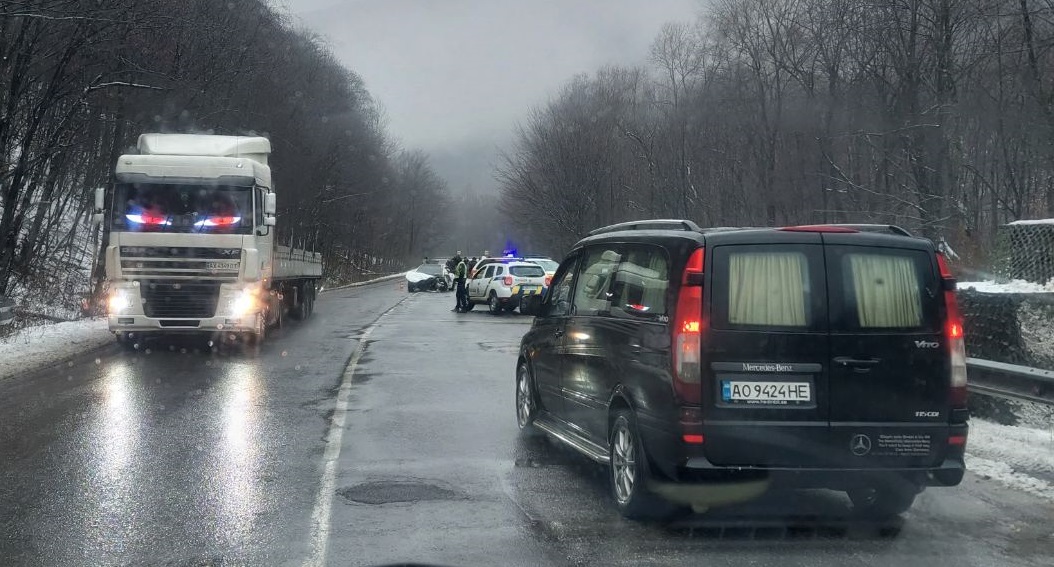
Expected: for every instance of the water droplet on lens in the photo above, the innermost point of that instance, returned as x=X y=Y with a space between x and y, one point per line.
x=285 y=353
x=297 y=367
x=98 y=361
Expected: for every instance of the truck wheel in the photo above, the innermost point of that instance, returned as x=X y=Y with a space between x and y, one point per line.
x=494 y=304
x=298 y=310
x=279 y=319
x=309 y=300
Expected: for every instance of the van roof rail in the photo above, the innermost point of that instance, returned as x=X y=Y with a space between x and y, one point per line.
x=886 y=228
x=831 y=227
x=652 y=224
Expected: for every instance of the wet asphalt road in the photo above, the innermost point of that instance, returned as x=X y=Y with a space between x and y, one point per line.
x=194 y=458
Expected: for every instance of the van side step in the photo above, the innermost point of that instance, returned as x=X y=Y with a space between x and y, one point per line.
x=573 y=440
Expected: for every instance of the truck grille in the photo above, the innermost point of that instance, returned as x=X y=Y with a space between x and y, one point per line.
x=183 y=263
x=180 y=298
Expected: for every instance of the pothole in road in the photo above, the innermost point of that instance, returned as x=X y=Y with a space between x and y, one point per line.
x=396 y=491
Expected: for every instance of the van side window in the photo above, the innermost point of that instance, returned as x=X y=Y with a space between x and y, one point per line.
x=558 y=300
x=768 y=289
x=499 y=271
x=641 y=282
x=592 y=295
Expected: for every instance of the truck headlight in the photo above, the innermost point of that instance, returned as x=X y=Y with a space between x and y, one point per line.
x=243 y=303
x=119 y=301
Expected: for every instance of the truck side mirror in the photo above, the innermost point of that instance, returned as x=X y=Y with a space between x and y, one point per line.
x=269 y=221
x=270 y=204
x=100 y=199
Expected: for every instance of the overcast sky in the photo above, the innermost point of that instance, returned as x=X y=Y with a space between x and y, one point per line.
x=455 y=76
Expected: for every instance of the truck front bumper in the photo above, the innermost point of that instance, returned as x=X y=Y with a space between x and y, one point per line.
x=237 y=308
x=142 y=324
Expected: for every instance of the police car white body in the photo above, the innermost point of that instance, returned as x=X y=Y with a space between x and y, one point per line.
x=502 y=285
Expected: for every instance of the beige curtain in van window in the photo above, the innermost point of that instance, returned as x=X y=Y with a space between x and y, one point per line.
x=887 y=290
x=767 y=288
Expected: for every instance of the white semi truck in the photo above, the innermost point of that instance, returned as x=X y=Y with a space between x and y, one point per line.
x=192 y=241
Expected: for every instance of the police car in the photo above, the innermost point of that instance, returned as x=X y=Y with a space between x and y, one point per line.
x=502 y=285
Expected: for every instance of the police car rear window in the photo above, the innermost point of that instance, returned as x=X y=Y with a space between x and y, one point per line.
x=527 y=271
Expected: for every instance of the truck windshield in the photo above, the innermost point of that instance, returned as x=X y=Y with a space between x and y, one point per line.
x=158 y=207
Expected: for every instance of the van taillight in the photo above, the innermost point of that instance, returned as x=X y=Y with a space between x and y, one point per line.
x=953 y=332
x=687 y=331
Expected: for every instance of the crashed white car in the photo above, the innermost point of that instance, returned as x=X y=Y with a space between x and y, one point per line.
x=426 y=277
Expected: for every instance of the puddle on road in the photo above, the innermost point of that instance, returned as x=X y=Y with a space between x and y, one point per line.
x=504 y=347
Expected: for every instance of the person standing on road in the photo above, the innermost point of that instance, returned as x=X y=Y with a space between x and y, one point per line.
x=456 y=262
x=460 y=271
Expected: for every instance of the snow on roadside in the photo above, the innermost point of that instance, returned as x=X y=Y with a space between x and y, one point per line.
x=1032 y=222
x=35 y=347
x=1020 y=458
x=1012 y=286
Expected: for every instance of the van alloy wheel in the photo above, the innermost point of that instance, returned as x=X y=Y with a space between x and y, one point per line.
x=525 y=407
x=629 y=472
x=623 y=462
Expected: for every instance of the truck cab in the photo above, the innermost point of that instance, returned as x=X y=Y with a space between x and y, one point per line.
x=192 y=240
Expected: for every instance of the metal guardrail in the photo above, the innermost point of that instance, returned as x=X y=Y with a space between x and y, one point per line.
x=7 y=310
x=1011 y=381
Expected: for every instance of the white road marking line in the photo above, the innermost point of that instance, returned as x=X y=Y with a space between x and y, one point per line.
x=320 y=516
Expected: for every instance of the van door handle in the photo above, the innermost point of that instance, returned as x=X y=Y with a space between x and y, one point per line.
x=849 y=361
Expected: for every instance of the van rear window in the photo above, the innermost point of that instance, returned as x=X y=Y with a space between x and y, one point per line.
x=768 y=289
x=883 y=290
